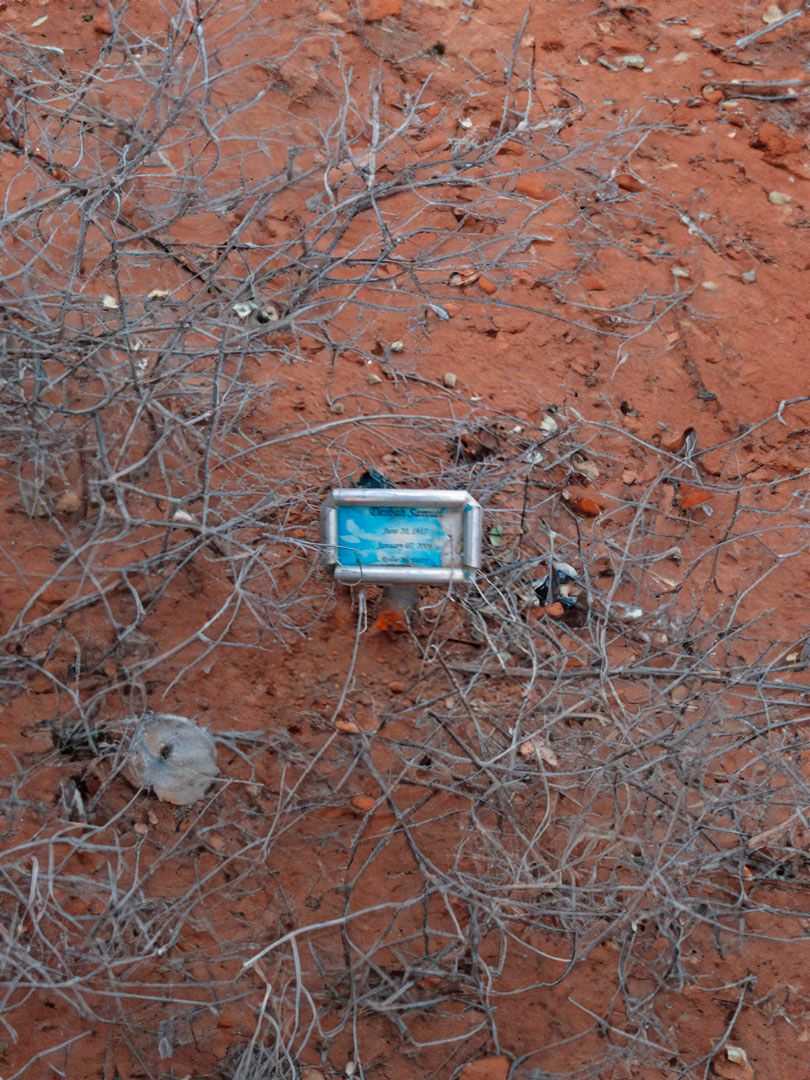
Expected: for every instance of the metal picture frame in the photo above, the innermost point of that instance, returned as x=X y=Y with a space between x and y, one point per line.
x=453 y=518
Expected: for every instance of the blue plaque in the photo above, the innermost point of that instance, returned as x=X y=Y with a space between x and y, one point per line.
x=401 y=536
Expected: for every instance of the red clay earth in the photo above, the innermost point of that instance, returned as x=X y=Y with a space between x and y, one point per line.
x=630 y=264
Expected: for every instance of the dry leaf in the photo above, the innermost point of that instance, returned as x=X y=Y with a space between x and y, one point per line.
x=540 y=748
x=461 y=278
x=588 y=469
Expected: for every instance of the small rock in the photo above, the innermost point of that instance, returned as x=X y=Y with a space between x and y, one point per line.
x=680 y=272
x=436 y=140
x=109 y=302
x=593 y=283
x=712 y=94
x=680 y=58
x=748 y=276
x=629 y=477
x=535 y=187
x=710 y=286
x=634 y=60
x=697 y=33
x=779 y=198
x=331 y=18
x=374 y=379
x=397 y=346
x=729 y=1066
x=627 y=182
x=396 y=687
x=772 y=14
x=512 y=146
x=337 y=407
x=775 y=143
x=68 y=503
x=450 y=379
x=102 y=23
x=582 y=502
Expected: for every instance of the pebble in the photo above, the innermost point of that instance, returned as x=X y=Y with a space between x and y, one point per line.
x=712 y=94
x=772 y=14
x=749 y=276
x=397 y=346
x=680 y=272
x=450 y=379
x=680 y=58
x=710 y=286
x=779 y=198
x=634 y=60
x=374 y=380
x=397 y=687
x=627 y=182
x=697 y=33
x=68 y=503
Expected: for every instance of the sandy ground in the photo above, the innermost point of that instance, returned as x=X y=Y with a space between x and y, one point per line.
x=618 y=365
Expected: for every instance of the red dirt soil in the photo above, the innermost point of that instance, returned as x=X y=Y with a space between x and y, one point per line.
x=659 y=182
